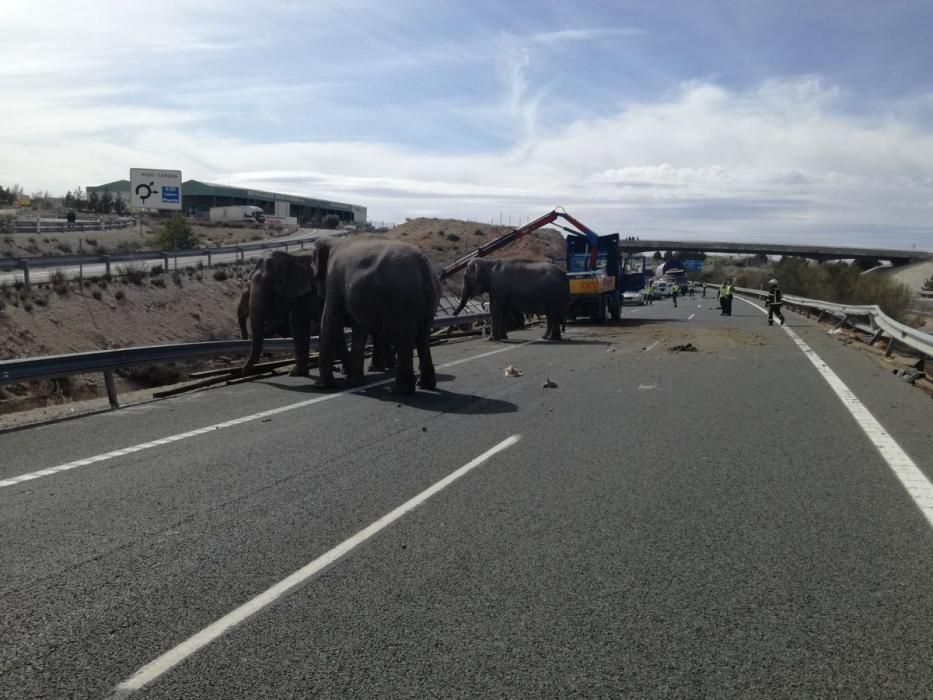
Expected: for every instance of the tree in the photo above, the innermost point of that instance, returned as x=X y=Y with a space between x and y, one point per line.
x=176 y=234
x=119 y=204
x=668 y=255
x=69 y=200
x=80 y=199
x=657 y=255
x=106 y=202
x=330 y=221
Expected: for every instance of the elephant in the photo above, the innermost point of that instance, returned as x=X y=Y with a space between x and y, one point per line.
x=516 y=285
x=277 y=325
x=384 y=288
x=282 y=291
x=383 y=354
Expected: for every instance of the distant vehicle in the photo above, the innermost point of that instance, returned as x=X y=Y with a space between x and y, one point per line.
x=238 y=212
x=661 y=289
x=633 y=279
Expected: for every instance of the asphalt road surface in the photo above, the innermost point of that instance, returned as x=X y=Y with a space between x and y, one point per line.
x=717 y=523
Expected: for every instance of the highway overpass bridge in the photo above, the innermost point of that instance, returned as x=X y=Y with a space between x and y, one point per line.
x=813 y=252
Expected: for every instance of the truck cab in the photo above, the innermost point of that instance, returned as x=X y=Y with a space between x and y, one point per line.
x=595 y=289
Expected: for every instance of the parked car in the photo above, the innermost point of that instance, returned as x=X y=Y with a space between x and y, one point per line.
x=633 y=297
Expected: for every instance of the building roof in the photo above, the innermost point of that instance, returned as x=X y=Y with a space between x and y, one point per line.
x=200 y=188
x=197 y=187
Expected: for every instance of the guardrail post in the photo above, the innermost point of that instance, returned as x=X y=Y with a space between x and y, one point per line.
x=875 y=337
x=24 y=263
x=165 y=261
x=890 y=348
x=38 y=225
x=107 y=265
x=208 y=257
x=841 y=323
x=111 y=388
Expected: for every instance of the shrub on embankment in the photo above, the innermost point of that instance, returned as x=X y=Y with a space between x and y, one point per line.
x=839 y=282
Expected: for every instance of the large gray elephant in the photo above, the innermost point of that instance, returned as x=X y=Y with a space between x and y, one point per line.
x=517 y=285
x=282 y=289
x=384 y=288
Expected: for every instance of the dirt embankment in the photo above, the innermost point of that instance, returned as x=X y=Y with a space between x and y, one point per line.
x=127 y=240
x=67 y=316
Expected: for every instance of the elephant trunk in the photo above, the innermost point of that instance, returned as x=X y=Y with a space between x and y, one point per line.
x=464 y=298
x=257 y=322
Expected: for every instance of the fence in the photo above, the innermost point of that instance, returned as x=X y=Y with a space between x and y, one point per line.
x=40 y=225
x=878 y=325
x=105 y=263
x=108 y=361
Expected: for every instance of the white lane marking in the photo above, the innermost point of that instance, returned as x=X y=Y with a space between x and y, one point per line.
x=908 y=473
x=12 y=481
x=648 y=349
x=690 y=316
x=192 y=645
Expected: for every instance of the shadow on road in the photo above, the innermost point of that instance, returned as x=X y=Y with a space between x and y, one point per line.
x=437 y=400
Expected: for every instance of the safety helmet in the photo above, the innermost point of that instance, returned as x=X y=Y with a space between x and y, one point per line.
x=772 y=282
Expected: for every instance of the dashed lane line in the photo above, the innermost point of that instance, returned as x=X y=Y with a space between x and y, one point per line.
x=169 y=439
x=194 y=644
x=916 y=483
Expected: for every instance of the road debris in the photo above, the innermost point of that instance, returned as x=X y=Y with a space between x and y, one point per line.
x=689 y=347
x=549 y=384
x=647 y=387
x=512 y=371
x=909 y=375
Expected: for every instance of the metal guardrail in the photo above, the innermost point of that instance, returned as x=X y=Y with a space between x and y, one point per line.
x=879 y=325
x=40 y=225
x=107 y=361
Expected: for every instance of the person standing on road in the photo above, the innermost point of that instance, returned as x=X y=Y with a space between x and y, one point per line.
x=674 y=289
x=649 y=293
x=722 y=298
x=774 y=302
x=730 y=293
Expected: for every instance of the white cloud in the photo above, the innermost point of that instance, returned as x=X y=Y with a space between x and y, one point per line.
x=784 y=160
x=583 y=35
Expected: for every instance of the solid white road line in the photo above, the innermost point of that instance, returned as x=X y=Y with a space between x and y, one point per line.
x=12 y=481
x=648 y=349
x=913 y=480
x=192 y=645
x=690 y=316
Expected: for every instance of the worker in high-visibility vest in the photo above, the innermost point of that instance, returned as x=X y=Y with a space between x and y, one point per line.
x=649 y=293
x=774 y=302
x=723 y=304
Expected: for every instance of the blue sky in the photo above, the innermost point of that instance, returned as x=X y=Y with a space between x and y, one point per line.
x=714 y=120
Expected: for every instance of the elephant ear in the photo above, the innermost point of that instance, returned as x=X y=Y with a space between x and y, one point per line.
x=299 y=281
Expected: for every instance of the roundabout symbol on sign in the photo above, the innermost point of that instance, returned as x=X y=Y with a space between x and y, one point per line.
x=150 y=190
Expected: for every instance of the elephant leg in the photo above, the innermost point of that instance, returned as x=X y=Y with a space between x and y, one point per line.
x=300 y=326
x=331 y=333
x=503 y=322
x=354 y=365
x=405 y=374
x=379 y=363
x=428 y=378
x=343 y=353
x=553 y=324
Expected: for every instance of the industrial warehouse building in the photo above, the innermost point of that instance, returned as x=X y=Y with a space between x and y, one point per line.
x=198 y=198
